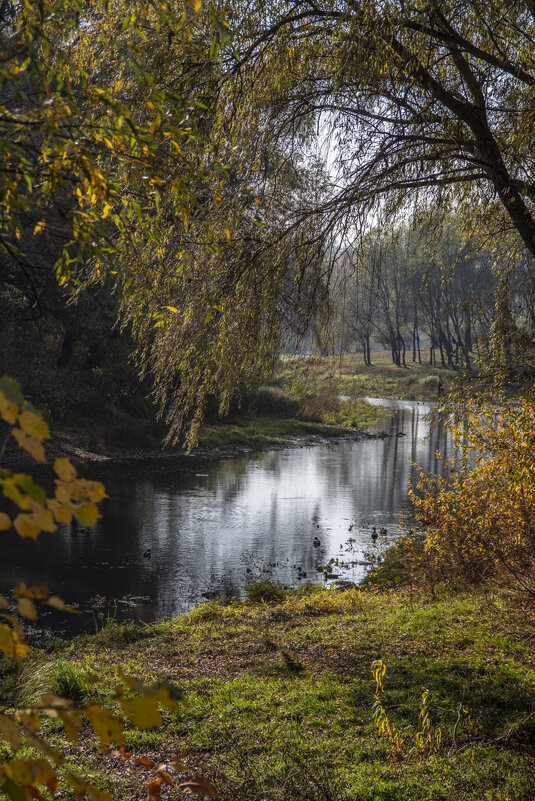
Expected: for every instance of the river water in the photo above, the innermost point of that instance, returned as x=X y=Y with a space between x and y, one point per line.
x=178 y=530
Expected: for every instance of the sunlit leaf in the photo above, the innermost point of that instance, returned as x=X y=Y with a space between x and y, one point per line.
x=107 y=726
x=142 y=712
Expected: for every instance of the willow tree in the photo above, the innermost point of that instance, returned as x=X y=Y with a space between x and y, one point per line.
x=172 y=150
x=424 y=104
x=120 y=158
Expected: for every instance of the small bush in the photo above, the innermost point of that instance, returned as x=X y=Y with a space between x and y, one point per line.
x=398 y=565
x=265 y=591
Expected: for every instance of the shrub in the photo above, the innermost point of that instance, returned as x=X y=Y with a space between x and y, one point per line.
x=480 y=515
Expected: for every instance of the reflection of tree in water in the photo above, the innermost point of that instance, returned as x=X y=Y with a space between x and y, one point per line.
x=199 y=518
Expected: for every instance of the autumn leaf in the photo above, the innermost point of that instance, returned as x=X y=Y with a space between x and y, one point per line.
x=142 y=712
x=29 y=444
x=62 y=511
x=12 y=491
x=5 y=522
x=148 y=764
x=107 y=726
x=38 y=591
x=27 y=609
x=56 y=602
x=154 y=788
x=10 y=731
x=34 y=425
x=71 y=723
x=26 y=526
x=86 y=513
x=29 y=718
x=200 y=785
x=31 y=772
x=64 y=469
x=8 y=409
x=11 y=644
x=96 y=491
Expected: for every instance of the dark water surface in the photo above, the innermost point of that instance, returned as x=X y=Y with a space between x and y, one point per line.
x=213 y=524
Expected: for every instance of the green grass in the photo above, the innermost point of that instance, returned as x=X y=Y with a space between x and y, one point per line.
x=349 y=376
x=278 y=696
x=260 y=432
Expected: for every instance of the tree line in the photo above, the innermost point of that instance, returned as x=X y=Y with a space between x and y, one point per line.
x=426 y=292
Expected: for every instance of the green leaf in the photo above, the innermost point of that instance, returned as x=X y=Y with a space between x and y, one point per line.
x=32 y=489
x=13 y=791
x=11 y=390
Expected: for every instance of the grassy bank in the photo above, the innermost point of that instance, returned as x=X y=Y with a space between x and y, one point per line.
x=279 y=697
x=348 y=375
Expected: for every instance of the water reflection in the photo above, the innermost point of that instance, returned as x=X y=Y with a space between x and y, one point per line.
x=208 y=525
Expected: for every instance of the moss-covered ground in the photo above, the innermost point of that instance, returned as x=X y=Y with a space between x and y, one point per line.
x=279 y=697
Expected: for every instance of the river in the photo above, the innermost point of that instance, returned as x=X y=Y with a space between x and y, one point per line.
x=176 y=531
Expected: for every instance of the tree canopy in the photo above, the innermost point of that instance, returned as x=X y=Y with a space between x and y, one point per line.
x=175 y=151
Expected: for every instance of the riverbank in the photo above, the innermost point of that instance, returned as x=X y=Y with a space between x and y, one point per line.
x=123 y=437
x=242 y=435
x=279 y=697
x=299 y=376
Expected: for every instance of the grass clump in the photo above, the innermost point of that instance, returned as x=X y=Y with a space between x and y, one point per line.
x=59 y=677
x=265 y=591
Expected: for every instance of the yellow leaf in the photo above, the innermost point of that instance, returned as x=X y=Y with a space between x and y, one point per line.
x=10 y=490
x=8 y=409
x=62 y=512
x=11 y=644
x=34 y=425
x=39 y=228
x=10 y=731
x=107 y=726
x=142 y=712
x=156 y=123
x=43 y=517
x=96 y=491
x=172 y=309
x=56 y=602
x=64 y=469
x=27 y=608
x=49 y=702
x=29 y=718
x=86 y=513
x=71 y=721
x=29 y=444
x=83 y=788
x=5 y=522
x=26 y=526
x=29 y=772
x=106 y=210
